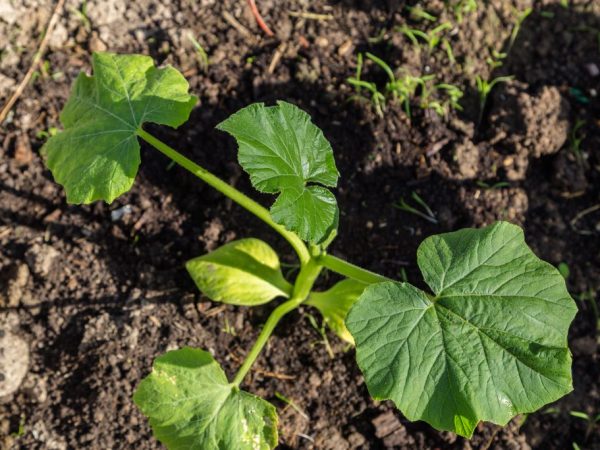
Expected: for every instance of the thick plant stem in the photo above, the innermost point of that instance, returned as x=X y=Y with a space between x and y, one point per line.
x=229 y=191
x=304 y=283
x=350 y=270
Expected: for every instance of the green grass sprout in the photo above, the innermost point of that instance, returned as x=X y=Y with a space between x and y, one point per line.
x=425 y=212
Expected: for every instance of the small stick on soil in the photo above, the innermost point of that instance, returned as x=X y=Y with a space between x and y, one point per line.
x=279 y=51
x=570 y=195
x=436 y=147
x=214 y=311
x=4 y=231
x=311 y=16
x=238 y=26
x=580 y=215
x=259 y=20
x=36 y=60
x=306 y=436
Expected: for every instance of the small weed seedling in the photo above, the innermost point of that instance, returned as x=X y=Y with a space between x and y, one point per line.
x=449 y=52
x=200 y=52
x=491 y=186
x=591 y=421
x=454 y=94
x=487 y=342
x=376 y=98
x=576 y=138
x=418 y=13
x=322 y=331
x=403 y=89
x=462 y=8
x=564 y=270
x=432 y=37
x=81 y=13
x=425 y=212
x=291 y=404
x=45 y=134
x=495 y=59
x=521 y=16
x=412 y=34
x=484 y=88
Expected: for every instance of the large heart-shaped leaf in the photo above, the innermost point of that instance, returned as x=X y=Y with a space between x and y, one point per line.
x=97 y=156
x=191 y=406
x=244 y=272
x=284 y=152
x=489 y=344
x=334 y=304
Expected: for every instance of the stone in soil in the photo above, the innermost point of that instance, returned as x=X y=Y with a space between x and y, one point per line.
x=14 y=362
x=41 y=258
x=12 y=289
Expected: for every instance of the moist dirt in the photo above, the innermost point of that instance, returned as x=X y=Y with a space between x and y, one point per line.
x=93 y=293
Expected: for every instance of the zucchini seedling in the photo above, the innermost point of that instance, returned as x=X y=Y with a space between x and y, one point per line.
x=487 y=342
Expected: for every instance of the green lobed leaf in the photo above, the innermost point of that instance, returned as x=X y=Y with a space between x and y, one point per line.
x=490 y=343
x=97 y=155
x=285 y=153
x=191 y=406
x=243 y=272
x=334 y=304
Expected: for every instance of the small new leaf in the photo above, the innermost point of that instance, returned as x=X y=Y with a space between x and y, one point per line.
x=191 y=406
x=334 y=304
x=97 y=155
x=285 y=153
x=244 y=272
x=490 y=344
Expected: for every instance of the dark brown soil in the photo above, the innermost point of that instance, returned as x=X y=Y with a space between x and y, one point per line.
x=98 y=291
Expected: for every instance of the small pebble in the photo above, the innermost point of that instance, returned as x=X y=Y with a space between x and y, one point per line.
x=14 y=363
x=592 y=69
x=119 y=213
x=40 y=258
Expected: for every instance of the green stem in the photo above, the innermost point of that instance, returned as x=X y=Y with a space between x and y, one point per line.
x=304 y=283
x=350 y=270
x=229 y=191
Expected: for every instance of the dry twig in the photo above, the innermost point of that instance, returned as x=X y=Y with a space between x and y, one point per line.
x=311 y=16
x=36 y=60
x=276 y=58
x=580 y=215
x=238 y=26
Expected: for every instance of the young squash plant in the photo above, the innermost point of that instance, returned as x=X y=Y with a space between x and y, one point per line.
x=487 y=342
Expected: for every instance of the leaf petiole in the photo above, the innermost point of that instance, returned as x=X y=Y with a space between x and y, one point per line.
x=304 y=283
x=350 y=270
x=229 y=191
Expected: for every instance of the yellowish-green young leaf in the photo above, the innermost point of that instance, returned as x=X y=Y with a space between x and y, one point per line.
x=490 y=343
x=285 y=153
x=97 y=155
x=334 y=304
x=244 y=272
x=192 y=406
